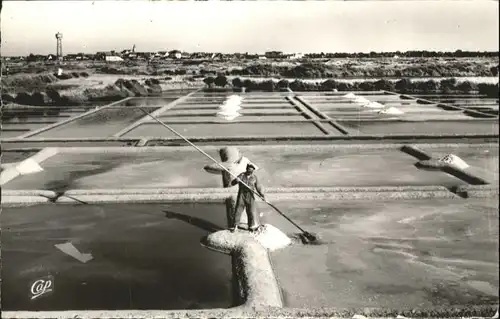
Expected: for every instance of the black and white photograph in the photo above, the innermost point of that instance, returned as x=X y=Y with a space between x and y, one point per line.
x=249 y=159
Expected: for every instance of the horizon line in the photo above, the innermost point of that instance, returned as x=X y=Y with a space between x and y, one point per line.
x=283 y=52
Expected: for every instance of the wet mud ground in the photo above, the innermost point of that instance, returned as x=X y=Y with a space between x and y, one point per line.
x=141 y=259
x=394 y=254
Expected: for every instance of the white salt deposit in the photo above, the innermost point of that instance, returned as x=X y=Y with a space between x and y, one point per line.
x=230 y=107
x=228 y=116
x=391 y=110
x=361 y=100
x=350 y=96
x=234 y=97
x=272 y=238
x=233 y=100
x=7 y=175
x=71 y=250
x=244 y=219
x=454 y=160
x=28 y=166
x=374 y=105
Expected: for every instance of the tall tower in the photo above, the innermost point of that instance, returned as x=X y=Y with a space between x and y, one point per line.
x=59 y=46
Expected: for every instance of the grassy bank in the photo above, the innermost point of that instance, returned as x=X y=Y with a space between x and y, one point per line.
x=303 y=68
x=317 y=70
x=48 y=93
x=310 y=70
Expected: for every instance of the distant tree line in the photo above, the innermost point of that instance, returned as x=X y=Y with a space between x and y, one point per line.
x=445 y=86
x=406 y=54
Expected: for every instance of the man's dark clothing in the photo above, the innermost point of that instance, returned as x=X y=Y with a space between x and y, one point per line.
x=246 y=199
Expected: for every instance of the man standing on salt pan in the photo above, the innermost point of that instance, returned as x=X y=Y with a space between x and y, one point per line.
x=246 y=198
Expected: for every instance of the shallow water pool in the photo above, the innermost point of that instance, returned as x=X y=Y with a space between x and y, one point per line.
x=230 y=129
x=390 y=254
x=141 y=259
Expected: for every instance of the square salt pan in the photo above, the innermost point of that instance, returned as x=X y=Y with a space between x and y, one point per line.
x=417 y=128
x=202 y=130
x=390 y=254
x=324 y=167
x=140 y=258
x=179 y=169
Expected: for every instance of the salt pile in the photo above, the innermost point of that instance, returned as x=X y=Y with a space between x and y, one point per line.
x=361 y=100
x=244 y=219
x=374 y=105
x=350 y=96
x=230 y=107
x=454 y=160
x=228 y=116
x=272 y=238
x=391 y=110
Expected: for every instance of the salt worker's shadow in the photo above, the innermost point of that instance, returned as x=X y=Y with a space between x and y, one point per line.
x=195 y=221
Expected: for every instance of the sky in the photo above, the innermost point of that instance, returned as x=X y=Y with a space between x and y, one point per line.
x=243 y=26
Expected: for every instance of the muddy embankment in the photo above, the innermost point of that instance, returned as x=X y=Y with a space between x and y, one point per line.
x=405 y=86
x=50 y=90
x=35 y=94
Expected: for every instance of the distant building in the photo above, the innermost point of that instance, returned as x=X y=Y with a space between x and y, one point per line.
x=36 y=58
x=70 y=57
x=296 y=56
x=113 y=58
x=108 y=56
x=102 y=55
x=144 y=55
x=175 y=54
x=131 y=56
x=274 y=55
